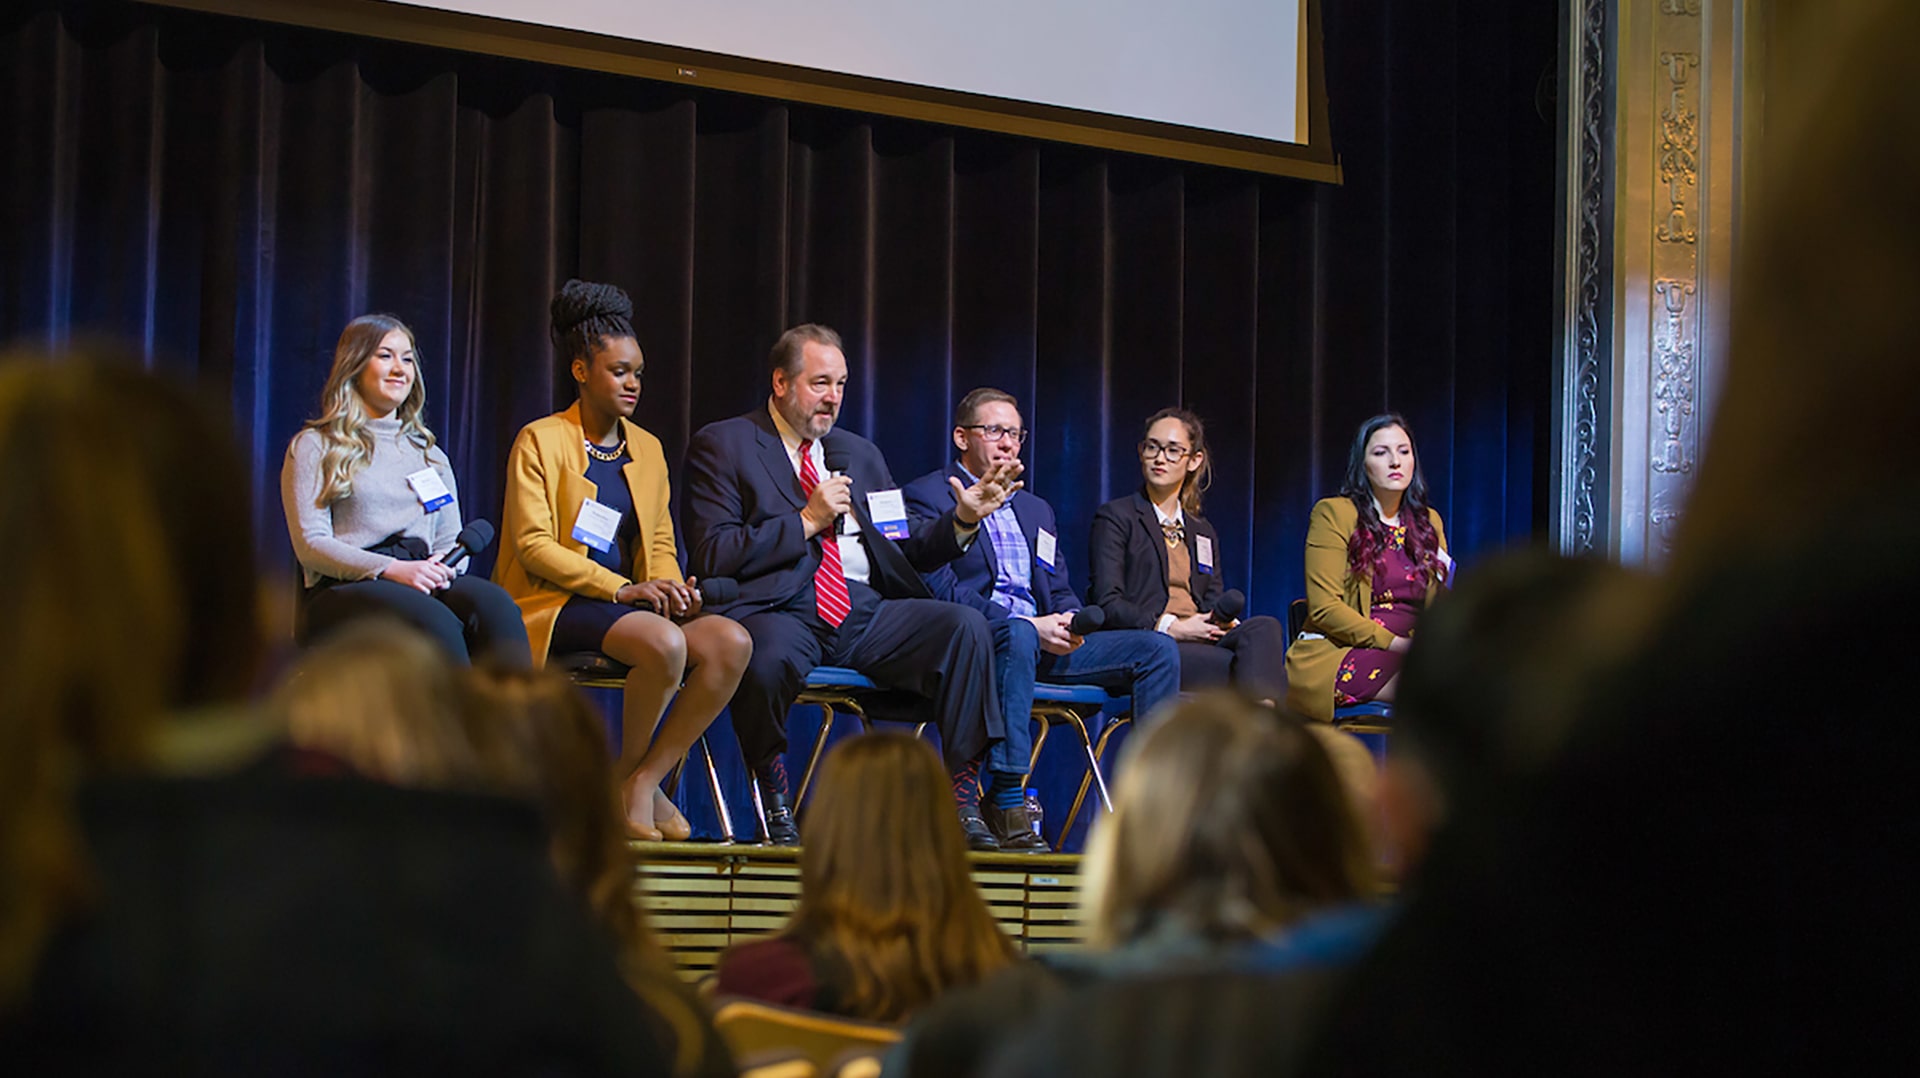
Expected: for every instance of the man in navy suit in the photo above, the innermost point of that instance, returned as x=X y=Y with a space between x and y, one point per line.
x=1016 y=576
x=829 y=571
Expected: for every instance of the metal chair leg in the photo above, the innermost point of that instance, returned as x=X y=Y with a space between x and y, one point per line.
x=1039 y=742
x=713 y=787
x=759 y=810
x=819 y=747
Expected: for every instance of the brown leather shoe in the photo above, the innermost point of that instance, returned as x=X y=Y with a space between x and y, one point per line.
x=1013 y=829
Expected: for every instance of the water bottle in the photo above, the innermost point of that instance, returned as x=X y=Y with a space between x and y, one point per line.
x=1033 y=809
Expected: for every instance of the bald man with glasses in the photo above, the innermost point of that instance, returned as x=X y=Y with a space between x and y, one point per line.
x=1016 y=575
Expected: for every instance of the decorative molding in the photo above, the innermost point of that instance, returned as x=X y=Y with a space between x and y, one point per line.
x=1650 y=159
x=1673 y=378
x=1587 y=283
x=1679 y=148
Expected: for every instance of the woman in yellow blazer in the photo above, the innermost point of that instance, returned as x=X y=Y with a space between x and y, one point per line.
x=1375 y=556
x=589 y=556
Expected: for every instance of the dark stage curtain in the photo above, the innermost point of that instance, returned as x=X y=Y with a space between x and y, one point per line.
x=227 y=194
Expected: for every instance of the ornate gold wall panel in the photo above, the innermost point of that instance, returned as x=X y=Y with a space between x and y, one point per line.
x=1647 y=312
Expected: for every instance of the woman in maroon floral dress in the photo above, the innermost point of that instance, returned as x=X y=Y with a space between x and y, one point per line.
x=1376 y=553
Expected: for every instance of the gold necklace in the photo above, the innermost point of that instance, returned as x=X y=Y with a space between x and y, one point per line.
x=607 y=455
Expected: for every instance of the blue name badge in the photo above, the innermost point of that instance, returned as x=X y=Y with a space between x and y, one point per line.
x=889 y=512
x=1203 y=554
x=428 y=487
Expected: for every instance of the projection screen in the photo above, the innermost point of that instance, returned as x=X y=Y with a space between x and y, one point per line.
x=1228 y=82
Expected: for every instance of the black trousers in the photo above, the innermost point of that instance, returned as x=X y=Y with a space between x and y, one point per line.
x=1253 y=656
x=473 y=618
x=938 y=650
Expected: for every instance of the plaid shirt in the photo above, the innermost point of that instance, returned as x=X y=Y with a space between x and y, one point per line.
x=1012 y=559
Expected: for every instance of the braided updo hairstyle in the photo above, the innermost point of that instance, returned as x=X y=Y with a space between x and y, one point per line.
x=584 y=315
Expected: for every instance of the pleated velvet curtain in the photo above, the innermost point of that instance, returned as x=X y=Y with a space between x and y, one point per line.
x=227 y=194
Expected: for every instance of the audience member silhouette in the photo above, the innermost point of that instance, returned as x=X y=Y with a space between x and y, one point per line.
x=889 y=917
x=181 y=892
x=1230 y=834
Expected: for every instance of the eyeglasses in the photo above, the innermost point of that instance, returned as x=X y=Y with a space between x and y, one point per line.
x=1174 y=452
x=994 y=432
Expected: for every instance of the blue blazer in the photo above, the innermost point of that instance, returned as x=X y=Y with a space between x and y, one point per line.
x=741 y=516
x=969 y=578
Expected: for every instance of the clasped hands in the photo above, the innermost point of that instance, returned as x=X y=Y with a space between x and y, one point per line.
x=669 y=598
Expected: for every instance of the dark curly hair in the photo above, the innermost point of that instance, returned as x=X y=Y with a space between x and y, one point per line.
x=584 y=315
x=1371 y=536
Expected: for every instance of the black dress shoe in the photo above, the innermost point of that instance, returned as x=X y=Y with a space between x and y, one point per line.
x=781 y=830
x=1013 y=828
x=979 y=838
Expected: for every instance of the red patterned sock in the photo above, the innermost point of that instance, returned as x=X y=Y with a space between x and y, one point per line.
x=966 y=785
x=773 y=776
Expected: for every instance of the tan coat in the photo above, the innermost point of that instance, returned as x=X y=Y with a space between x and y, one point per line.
x=1338 y=608
x=541 y=564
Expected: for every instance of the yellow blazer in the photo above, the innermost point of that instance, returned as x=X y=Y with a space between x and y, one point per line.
x=1338 y=605
x=541 y=564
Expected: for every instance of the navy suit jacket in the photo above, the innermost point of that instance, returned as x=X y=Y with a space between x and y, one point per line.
x=969 y=578
x=741 y=516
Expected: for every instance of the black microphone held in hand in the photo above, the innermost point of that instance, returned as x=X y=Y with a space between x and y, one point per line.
x=1231 y=603
x=713 y=591
x=837 y=462
x=475 y=537
x=1086 y=620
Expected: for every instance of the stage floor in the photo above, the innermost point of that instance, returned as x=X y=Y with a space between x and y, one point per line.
x=701 y=897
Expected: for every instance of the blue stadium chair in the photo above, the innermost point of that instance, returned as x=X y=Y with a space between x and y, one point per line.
x=1071 y=706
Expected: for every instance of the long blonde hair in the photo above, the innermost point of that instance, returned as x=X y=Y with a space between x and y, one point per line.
x=884 y=881
x=343 y=416
x=1226 y=816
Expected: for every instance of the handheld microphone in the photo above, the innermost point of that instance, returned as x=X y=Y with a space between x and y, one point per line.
x=1087 y=619
x=475 y=537
x=1231 y=603
x=837 y=461
x=714 y=591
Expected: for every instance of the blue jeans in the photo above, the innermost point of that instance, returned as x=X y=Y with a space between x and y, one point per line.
x=1140 y=662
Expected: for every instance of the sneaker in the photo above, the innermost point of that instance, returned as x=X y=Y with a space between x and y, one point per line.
x=1013 y=828
x=979 y=838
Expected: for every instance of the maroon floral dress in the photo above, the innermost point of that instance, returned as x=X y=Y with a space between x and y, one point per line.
x=1398 y=595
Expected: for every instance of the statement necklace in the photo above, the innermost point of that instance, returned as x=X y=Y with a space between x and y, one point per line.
x=607 y=455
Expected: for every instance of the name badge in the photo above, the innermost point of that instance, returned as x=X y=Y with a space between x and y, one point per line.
x=889 y=513
x=1044 y=549
x=596 y=526
x=428 y=487
x=1446 y=562
x=1203 y=553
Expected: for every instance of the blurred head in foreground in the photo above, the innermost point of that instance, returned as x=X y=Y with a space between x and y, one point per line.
x=1489 y=682
x=125 y=528
x=885 y=882
x=1228 y=822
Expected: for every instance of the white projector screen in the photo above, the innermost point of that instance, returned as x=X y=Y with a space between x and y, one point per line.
x=1226 y=82
x=1218 y=65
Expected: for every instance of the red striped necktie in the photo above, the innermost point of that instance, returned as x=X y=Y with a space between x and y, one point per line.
x=829 y=581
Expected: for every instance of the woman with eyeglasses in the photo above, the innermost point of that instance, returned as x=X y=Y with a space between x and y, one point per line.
x=1156 y=565
x=1376 y=554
